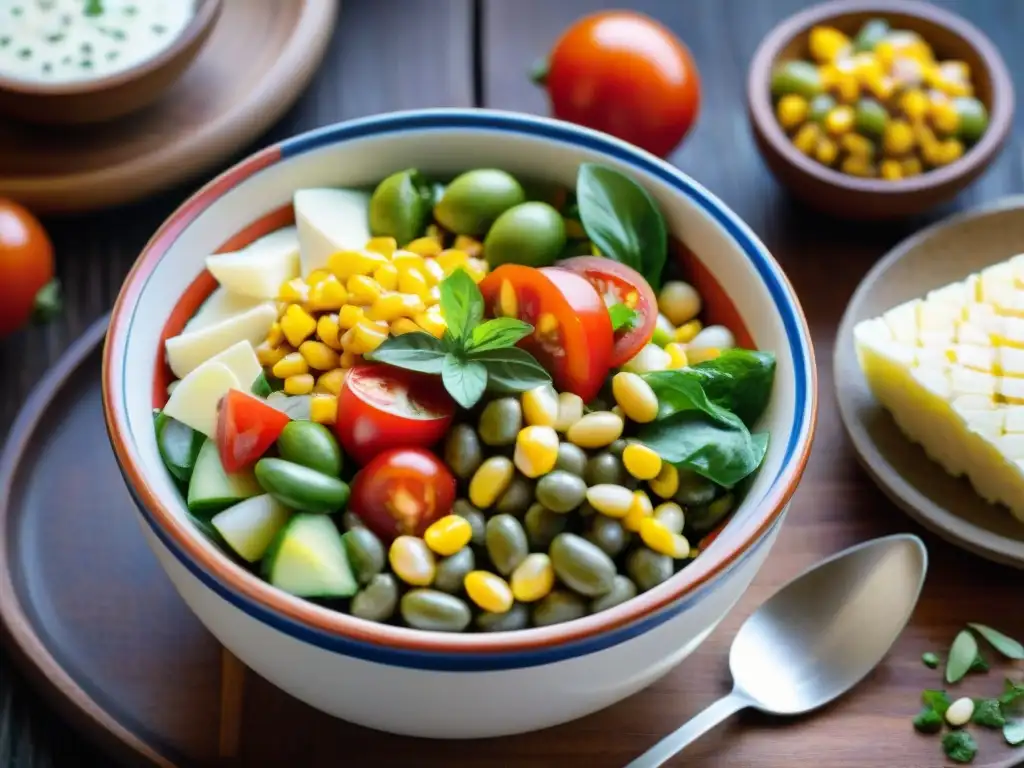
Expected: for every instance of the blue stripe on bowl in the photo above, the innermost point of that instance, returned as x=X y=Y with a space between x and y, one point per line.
x=458 y=661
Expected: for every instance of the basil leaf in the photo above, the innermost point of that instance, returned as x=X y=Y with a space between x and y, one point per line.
x=937 y=700
x=622 y=220
x=681 y=390
x=461 y=304
x=499 y=333
x=622 y=316
x=960 y=746
x=987 y=713
x=412 y=351
x=739 y=380
x=511 y=369
x=465 y=380
x=1007 y=646
x=930 y=660
x=978 y=665
x=723 y=454
x=928 y=721
x=1013 y=732
x=961 y=655
x=1012 y=692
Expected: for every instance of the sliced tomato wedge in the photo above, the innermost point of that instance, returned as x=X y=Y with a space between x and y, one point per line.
x=401 y=492
x=246 y=427
x=572 y=335
x=382 y=407
x=619 y=284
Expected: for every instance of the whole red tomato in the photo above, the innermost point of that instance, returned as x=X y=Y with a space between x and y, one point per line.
x=623 y=73
x=27 y=286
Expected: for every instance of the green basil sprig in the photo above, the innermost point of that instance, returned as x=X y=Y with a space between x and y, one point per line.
x=622 y=316
x=472 y=356
x=622 y=220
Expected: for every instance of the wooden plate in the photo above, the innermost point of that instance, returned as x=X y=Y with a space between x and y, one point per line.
x=259 y=58
x=941 y=254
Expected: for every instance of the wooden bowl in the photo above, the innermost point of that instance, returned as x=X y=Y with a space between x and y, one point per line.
x=850 y=197
x=106 y=98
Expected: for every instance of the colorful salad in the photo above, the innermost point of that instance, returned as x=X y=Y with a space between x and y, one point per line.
x=471 y=405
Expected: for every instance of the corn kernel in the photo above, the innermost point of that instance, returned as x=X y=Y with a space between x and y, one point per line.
x=328 y=294
x=345 y=264
x=412 y=561
x=639 y=510
x=944 y=116
x=385 y=246
x=269 y=355
x=490 y=481
x=882 y=88
x=404 y=260
x=404 y=325
x=412 y=281
x=839 y=120
x=944 y=153
x=363 y=290
x=687 y=331
x=866 y=66
x=911 y=166
x=826 y=151
x=392 y=306
x=570 y=410
x=670 y=515
x=477 y=269
x=319 y=355
x=317 y=276
x=858 y=146
x=533 y=578
x=366 y=337
x=275 y=335
x=448 y=534
x=898 y=138
x=847 y=88
x=540 y=406
x=667 y=482
x=431 y=321
x=677 y=357
x=425 y=246
x=471 y=247
x=641 y=462
x=806 y=138
x=349 y=315
x=536 y=450
x=828 y=44
x=451 y=259
x=348 y=359
x=885 y=52
x=635 y=397
x=791 y=111
x=432 y=271
x=609 y=499
x=488 y=590
x=386 y=276
x=891 y=169
x=330 y=383
x=292 y=364
x=433 y=295
x=914 y=104
x=299 y=384
x=323 y=408
x=297 y=325
x=328 y=330
x=663 y=541
x=704 y=354
x=294 y=291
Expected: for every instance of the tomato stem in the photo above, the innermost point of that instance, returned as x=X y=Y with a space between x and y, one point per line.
x=48 y=302
x=539 y=71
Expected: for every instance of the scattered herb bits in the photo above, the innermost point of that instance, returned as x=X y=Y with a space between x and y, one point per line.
x=930 y=660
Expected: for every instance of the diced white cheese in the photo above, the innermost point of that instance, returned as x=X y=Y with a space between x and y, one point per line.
x=195 y=400
x=330 y=220
x=188 y=351
x=259 y=269
x=241 y=360
x=221 y=305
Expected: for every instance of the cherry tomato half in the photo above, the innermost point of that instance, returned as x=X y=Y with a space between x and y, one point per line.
x=382 y=407
x=401 y=492
x=619 y=284
x=26 y=263
x=246 y=427
x=572 y=335
x=623 y=73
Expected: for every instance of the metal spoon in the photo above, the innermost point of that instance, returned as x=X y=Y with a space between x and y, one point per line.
x=816 y=637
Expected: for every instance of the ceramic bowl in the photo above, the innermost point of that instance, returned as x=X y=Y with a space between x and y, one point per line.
x=107 y=98
x=387 y=677
x=849 y=197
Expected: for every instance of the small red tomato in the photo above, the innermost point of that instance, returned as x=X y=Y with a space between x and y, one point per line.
x=382 y=407
x=26 y=263
x=401 y=492
x=623 y=73
x=246 y=427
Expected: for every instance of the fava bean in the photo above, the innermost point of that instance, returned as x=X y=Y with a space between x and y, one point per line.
x=581 y=565
x=693 y=489
x=452 y=570
x=542 y=525
x=702 y=518
x=377 y=600
x=608 y=534
x=517 y=498
x=310 y=445
x=434 y=611
x=622 y=590
x=476 y=519
x=462 y=451
x=605 y=468
x=560 y=491
x=365 y=553
x=501 y=421
x=571 y=459
x=506 y=543
x=516 y=617
x=648 y=569
x=301 y=488
x=559 y=606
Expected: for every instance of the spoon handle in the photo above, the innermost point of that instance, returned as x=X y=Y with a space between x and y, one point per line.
x=691 y=731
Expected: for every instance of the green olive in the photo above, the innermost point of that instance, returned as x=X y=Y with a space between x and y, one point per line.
x=704 y=517
x=377 y=600
x=516 y=617
x=870 y=118
x=571 y=458
x=819 y=107
x=517 y=498
x=542 y=525
x=558 y=606
x=501 y=421
x=582 y=566
x=647 y=568
x=973 y=118
x=452 y=570
x=870 y=34
x=311 y=445
x=605 y=468
x=561 y=492
x=531 y=233
x=400 y=206
x=800 y=77
x=365 y=553
x=506 y=543
x=462 y=452
x=477 y=521
x=608 y=534
x=622 y=590
x=694 y=489
x=475 y=199
x=434 y=611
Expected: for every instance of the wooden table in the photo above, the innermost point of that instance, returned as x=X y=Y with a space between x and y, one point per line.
x=403 y=54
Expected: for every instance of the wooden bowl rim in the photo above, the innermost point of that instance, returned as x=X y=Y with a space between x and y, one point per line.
x=206 y=13
x=978 y=156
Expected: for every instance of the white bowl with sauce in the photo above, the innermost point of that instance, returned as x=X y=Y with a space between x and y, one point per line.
x=89 y=61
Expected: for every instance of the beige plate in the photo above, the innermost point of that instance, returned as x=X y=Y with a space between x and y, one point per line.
x=941 y=254
x=258 y=60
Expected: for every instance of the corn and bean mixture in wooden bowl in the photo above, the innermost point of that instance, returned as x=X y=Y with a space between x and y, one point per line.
x=878 y=105
x=462 y=405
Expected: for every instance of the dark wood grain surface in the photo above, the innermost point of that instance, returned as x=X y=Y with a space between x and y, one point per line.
x=395 y=54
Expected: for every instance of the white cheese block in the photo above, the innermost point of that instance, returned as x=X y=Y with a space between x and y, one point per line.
x=220 y=305
x=241 y=360
x=330 y=220
x=188 y=351
x=195 y=400
x=259 y=269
